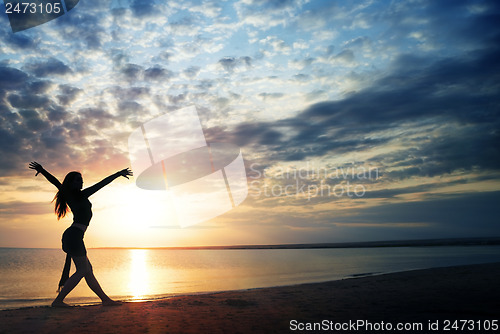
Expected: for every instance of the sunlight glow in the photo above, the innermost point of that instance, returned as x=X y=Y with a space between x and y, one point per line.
x=144 y=208
x=139 y=274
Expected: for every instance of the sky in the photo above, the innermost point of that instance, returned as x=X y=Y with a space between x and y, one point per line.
x=357 y=120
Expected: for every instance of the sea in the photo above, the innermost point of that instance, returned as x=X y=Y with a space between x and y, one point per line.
x=29 y=277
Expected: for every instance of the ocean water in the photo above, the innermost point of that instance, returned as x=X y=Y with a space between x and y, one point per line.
x=29 y=277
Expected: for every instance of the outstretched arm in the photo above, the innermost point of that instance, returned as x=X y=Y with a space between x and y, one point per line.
x=39 y=169
x=91 y=190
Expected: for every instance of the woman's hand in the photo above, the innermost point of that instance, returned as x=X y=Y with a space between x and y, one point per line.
x=36 y=166
x=125 y=172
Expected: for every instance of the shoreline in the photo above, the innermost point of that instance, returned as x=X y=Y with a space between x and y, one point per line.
x=159 y=297
x=436 y=294
x=194 y=294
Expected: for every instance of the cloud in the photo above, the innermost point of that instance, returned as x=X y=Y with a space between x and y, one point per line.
x=231 y=63
x=208 y=9
x=301 y=64
x=271 y=96
x=345 y=56
x=24 y=208
x=39 y=86
x=84 y=28
x=157 y=73
x=68 y=94
x=28 y=101
x=100 y=118
x=48 y=68
x=420 y=97
x=134 y=73
x=278 y=45
x=450 y=213
x=12 y=78
x=185 y=26
x=267 y=14
x=143 y=9
x=19 y=41
x=192 y=71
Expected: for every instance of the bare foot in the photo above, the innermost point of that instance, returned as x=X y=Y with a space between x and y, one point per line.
x=111 y=303
x=59 y=304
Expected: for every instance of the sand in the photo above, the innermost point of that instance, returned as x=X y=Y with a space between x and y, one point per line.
x=429 y=297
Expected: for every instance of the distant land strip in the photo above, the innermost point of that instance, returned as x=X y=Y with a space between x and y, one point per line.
x=485 y=241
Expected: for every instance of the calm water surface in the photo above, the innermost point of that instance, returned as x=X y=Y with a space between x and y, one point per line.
x=29 y=277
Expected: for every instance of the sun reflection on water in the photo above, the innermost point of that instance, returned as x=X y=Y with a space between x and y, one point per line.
x=139 y=274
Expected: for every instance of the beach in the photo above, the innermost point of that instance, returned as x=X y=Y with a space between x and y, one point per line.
x=434 y=298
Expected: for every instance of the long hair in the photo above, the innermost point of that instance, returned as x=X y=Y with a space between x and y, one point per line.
x=61 y=206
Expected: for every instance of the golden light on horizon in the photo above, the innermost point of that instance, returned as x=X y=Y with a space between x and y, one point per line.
x=139 y=274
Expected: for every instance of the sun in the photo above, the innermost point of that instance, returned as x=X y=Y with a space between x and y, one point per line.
x=135 y=207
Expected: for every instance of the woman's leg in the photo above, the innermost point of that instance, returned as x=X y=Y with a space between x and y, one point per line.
x=96 y=287
x=82 y=268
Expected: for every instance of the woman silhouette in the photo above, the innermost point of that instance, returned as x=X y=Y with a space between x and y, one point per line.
x=70 y=195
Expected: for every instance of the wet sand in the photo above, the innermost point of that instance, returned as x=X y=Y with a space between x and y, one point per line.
x=430 y=296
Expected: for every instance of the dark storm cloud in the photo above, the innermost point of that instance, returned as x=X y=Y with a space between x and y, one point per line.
x=56 y=113
x=422 y=188
x=467 y=148
x=67 y=94
x=464 y=26
x=472 y=213
x=55 y=138
x=11 y=78
x=33 y=120
x=47 y=68
x=28 y=101
x=19 y=41
x=141 y=8
x=39 y=86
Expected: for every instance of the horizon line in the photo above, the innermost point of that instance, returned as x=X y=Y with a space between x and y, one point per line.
x=472 y=241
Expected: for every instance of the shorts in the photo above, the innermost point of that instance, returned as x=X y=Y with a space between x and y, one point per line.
x=72 y=242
